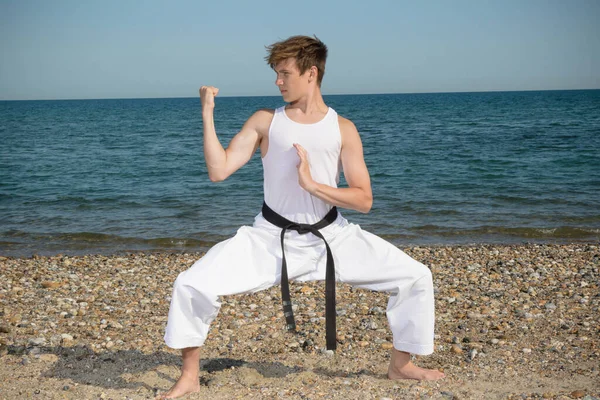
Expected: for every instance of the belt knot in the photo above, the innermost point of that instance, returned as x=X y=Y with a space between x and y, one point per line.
x=302 y=229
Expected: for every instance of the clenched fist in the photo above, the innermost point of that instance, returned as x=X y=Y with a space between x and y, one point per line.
x=207 y=96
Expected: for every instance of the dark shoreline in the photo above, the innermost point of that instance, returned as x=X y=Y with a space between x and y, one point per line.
x=33 y=250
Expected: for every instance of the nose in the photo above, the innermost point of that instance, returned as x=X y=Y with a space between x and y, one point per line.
x=278 y=81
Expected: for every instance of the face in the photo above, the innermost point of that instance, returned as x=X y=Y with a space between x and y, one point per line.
x=291 y=84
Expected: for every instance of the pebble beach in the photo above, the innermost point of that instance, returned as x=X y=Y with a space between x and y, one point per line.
x=512 y=322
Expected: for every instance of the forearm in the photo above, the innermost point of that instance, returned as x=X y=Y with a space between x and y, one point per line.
x=352 y=198
x=214 y=153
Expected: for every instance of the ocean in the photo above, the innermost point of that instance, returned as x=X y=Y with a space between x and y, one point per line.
x=127 y=175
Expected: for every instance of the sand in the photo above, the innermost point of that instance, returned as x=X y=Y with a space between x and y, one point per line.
x=512 y=322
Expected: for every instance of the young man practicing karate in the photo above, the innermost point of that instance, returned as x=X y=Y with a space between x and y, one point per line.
x=299 y=235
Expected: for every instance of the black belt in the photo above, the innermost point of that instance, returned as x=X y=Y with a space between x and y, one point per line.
x=302 y=229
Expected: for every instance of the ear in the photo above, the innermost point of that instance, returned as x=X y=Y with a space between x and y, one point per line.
x=314 y=72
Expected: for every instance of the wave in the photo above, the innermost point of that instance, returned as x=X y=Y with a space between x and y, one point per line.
x=24 y=244
x=561 y=232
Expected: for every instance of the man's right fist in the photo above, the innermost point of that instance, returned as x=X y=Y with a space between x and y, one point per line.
x=207 y=96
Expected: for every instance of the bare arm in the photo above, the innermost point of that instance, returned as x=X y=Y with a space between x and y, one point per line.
x=220 y=162
x=358 y=196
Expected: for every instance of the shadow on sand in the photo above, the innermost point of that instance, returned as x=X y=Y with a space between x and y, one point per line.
x=83 y=365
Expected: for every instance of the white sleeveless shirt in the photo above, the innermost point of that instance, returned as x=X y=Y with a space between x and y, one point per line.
x=323 y=142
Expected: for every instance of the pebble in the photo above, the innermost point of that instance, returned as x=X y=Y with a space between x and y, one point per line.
x=472 y=354
x=377 y=310
x=456 y=349
x=37 y=341
x=329 y=353
x=51 y=284
x=115 y=325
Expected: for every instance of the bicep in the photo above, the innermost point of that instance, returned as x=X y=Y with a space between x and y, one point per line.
x=244 y=144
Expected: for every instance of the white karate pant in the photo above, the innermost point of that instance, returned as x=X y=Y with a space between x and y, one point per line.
x=251 y=261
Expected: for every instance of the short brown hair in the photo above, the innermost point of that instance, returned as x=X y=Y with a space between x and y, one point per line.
x=306 y=50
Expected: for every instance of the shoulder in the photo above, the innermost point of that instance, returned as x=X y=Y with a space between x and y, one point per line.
x=347 y=127
x=261 y=119
x=263 y=114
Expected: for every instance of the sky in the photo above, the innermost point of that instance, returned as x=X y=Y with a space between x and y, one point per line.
x=65 y=49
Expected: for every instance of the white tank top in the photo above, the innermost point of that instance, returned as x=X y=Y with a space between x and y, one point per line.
x=323 y=142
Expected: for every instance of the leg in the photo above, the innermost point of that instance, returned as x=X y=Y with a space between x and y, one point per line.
x=188 y=382
x=367 y=261
x=238 y=265
x=241 y=264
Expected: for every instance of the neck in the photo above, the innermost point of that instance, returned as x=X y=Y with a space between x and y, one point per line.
x=312 y=103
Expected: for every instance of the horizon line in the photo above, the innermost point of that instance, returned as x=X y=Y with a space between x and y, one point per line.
x=331 y=94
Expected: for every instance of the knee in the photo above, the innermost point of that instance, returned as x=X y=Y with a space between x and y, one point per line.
x=424 y=279
x=181 y=283
x=189 y=286
x=426 y=273
x=180 y=279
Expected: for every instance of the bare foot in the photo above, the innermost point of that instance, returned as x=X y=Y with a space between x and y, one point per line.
x=402 y=368
x=185 y=385
x=411 y=371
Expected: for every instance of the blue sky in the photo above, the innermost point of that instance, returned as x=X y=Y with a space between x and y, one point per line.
x=67 y=49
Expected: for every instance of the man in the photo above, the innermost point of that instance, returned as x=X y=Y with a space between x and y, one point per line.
x=302 y=147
